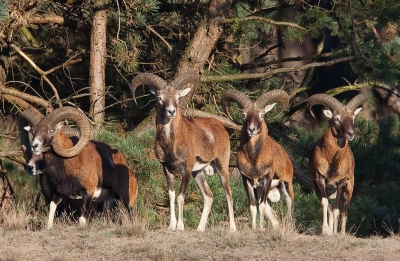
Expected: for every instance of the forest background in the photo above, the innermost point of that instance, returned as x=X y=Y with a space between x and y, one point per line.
x=85 y=53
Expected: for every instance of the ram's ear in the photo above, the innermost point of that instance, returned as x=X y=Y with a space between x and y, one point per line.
x=328 y=113
x=357 y=111
x=59 y=126
x=28 y=128
x=184 y=92
x=269 y=107
x=153 y=90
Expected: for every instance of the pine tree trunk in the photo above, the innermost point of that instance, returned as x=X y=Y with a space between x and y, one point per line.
x=98 y=54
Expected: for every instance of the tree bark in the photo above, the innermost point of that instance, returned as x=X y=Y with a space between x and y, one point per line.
x=97 y=65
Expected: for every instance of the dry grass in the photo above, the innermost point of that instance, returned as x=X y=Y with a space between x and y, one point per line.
x=23 y=236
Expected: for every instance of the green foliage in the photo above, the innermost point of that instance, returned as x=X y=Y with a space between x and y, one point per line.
x=25 y=186
x=4 y=9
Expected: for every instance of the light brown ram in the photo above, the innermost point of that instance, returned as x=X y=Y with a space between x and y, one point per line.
x=331 y=161
x=187 y=147
x=77 y=169
x=263 y=163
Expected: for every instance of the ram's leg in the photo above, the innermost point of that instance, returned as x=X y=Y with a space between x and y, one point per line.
x=181 y=200
x=336 y=209
x=53 y=207
x=171 y=193
x=347 y=195
x=223 y=171
x=252 y=201
x=264 y=206
x=201 y=182
x=320 y=191
x=288 y=199
x=86 y=208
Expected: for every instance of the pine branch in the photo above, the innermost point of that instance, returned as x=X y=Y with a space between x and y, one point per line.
x=262 y=19
x=246 y=76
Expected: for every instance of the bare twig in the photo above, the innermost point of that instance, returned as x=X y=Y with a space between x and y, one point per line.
x=151 y=29
x=40 y=71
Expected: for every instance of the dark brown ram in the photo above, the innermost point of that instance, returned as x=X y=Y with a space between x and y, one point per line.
x=263 y=163
x=77 y=168
x=331 y=161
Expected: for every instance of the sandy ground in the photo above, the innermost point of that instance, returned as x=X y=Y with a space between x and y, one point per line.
x=118 y=243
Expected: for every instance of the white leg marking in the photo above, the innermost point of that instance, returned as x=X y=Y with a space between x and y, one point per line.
x=325 y=226
x=288 y=202
x=335 y=220
x=53 y=207
x=232 y=225
x=206 y=211
x=271 y=215
x=253 y=212
x=181 y=201
x=330 y=219
x=82 y=221
x=172 y=221
x=261 y=208
x=343 y=225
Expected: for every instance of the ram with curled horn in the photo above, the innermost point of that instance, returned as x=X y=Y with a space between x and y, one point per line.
x=187 y=147
x=331 y=161
x=74 y=168
x=265 y=166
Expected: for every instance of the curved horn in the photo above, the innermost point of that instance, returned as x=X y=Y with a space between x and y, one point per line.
x=184 y=79
x=354 y=103
x=234 y=95
x=323 y=99
x=273 y=96
x=28 y=117
x=81 y=120
x=148 y=79
x=71 y=132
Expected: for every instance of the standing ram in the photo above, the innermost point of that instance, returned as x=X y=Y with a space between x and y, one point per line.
x=263 y=163
x=76 y=169
x=331 y=161
x=187 y=147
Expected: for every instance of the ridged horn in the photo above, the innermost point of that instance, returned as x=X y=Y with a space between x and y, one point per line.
x=323 y=99
x=234 y=95
x=184 y=79
x=148 y=79
x=273 y=96
x=354 y=103
x=82 y=122
x=27 y=117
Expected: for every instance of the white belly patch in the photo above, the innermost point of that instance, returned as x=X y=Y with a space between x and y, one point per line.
x=274 y=195
x=101 y=193
x=199 y=166
x=274 y=183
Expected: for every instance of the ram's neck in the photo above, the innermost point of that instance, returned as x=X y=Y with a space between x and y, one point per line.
x=333 y=139
x=168 y=129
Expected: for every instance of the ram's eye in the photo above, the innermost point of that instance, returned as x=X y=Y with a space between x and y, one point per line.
x=244 y=116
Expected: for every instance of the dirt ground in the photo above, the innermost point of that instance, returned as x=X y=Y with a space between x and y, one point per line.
x=92 y=243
